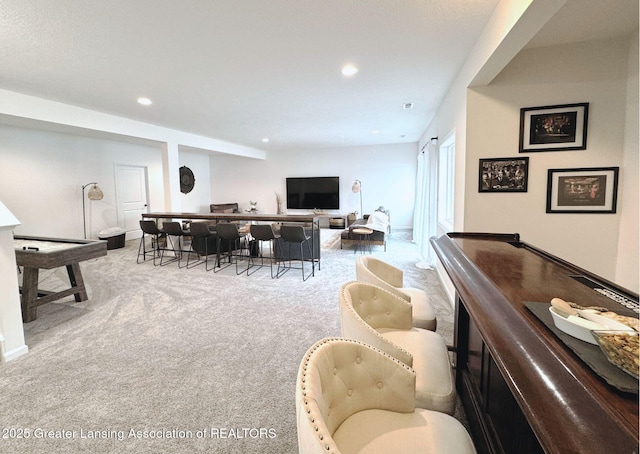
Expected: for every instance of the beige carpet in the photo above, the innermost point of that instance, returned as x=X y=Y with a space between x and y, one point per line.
x=162 y=359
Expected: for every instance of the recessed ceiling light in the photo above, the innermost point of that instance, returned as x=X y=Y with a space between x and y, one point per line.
x=265 y=139
x=407 y=105
x=374 y=131
x=349 y=70
x=144 y=101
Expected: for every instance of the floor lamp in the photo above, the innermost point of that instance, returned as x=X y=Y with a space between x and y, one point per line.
x=95 y=193
x=357 y=188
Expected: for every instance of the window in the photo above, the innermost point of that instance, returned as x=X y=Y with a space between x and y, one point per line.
x=446 y=177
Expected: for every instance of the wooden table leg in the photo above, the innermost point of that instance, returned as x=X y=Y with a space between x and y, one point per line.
x=77 y=282
x=29 y=293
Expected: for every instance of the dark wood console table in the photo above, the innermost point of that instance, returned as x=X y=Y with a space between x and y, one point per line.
x=311 y=219
x=523 y=390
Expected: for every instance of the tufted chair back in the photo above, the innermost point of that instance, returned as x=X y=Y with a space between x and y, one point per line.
x=339 y=377
x=382 y=274
x=366 y=308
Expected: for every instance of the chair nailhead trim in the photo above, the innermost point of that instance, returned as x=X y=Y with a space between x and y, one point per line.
x=307 y=359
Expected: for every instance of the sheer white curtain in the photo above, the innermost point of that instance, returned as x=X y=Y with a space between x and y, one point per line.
x=425 y=214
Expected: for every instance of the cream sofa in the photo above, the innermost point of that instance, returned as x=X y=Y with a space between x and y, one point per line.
x=383 y=320
x=353 y=398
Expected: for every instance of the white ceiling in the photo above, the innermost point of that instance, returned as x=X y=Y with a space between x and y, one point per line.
x=241 y=70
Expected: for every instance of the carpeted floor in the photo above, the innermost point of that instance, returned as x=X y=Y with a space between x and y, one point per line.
x=162 y=359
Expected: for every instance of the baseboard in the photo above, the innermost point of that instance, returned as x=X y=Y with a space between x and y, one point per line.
x=13 y=354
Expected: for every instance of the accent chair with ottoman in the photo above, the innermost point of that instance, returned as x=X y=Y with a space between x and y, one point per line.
x=354 y=398
x=378 y=222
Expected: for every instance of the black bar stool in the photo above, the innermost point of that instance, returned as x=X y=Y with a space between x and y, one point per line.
x=230 y=245
x=204 y=243
x=149 y=228
x=173 y=229
x=261 y=233
x=295 y=234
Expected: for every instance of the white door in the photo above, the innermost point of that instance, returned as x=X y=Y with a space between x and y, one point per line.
x=132 y=198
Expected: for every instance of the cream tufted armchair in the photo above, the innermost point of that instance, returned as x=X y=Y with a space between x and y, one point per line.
x=382 y=274
x=351 y=398
x=373 y=315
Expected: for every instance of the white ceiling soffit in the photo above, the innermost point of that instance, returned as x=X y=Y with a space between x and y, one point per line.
x=586 y=20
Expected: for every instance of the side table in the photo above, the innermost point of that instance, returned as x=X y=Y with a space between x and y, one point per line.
x=364 y=237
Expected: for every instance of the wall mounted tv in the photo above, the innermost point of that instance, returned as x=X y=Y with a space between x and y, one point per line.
x=308 y=193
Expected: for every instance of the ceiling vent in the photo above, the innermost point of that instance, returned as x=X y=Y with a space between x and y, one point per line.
x=407 y=105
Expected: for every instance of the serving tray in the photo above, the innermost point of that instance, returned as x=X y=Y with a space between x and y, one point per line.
x=590 y=354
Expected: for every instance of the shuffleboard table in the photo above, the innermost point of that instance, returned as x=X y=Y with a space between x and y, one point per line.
x=36 y=253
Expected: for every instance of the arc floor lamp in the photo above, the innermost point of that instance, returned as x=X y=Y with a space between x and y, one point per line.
x=95 y=193
x=357 y=188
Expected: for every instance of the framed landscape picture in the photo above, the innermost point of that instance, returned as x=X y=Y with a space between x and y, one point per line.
x=554 y=128
x=591 y=190
x=503 y=175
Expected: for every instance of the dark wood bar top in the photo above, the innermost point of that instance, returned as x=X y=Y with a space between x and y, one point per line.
x=234 y=216
x=569 y=408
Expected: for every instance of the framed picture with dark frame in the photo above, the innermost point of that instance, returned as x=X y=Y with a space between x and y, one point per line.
x=585 y=190
x=503 y=174
x=554 y=128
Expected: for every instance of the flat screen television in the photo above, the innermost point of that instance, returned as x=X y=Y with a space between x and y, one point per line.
x=308 y=193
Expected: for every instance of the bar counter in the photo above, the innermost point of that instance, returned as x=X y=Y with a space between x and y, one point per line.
x=311 y=220
x=523 y=390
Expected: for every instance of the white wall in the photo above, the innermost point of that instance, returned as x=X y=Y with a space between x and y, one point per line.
x=510 y=27
x=627 y=268
x=594 y=72
x=387 y=173
x=43 y=173
x=198 y=200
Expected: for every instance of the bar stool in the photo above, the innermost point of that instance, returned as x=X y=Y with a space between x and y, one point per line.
x=173 y=229
x=261 y=233
x=295 y=235
x=229 y=240
x=203 y=243
x=150 y=228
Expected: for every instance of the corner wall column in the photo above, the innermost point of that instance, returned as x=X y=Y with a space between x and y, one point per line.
x=12 y=342
x=171 y=176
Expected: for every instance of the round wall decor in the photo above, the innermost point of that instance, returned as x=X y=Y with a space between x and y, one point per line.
x=187 y=180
